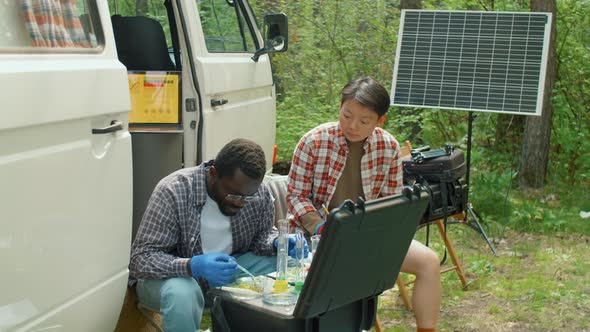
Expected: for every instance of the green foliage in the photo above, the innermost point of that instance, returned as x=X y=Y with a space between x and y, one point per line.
x=527 y=216
x=481 y=266
x=296 y=117
x=495 y=197
x=221 y=29
x=331 y=42
x=571 y=124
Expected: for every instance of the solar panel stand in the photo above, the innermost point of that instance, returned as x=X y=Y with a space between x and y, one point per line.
x=470 y=211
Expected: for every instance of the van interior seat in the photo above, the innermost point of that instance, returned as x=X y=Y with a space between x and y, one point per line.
x=141 y=43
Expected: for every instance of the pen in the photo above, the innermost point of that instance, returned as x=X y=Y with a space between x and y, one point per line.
x=326 y=210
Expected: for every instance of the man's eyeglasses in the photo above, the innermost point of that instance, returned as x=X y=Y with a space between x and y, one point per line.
x=241 y=198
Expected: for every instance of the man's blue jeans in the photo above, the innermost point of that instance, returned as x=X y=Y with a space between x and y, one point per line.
x=181 y=300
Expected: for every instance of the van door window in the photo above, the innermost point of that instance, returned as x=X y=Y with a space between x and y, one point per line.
x=63 y=24
x=224 y=26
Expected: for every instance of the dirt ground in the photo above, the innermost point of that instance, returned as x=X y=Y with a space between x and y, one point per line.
x=484 y=306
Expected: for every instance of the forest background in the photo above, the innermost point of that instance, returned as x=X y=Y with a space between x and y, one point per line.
x=530 y=176
x=332 y=42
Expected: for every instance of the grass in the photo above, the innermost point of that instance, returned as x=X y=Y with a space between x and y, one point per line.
x=536 y=283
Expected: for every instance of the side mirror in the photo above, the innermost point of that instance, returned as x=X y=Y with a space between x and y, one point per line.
x=276 y=35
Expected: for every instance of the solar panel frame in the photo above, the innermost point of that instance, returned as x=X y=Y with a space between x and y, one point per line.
x=432 y=59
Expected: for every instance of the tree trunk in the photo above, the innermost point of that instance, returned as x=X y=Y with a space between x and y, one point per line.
x=410 y=4
x=537 y=130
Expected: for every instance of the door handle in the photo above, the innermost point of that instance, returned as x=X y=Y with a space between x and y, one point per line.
x=218 y=102
x=114 y=126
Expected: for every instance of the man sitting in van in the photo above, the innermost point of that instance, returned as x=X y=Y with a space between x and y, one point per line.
x=198 y=223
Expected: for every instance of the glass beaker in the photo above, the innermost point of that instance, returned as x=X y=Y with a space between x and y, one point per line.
x=279 y=292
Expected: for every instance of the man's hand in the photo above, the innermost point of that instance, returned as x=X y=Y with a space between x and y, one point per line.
x=217 y=268
x=312 y=222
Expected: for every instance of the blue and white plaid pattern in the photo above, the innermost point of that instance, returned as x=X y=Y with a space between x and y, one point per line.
x=169 y=233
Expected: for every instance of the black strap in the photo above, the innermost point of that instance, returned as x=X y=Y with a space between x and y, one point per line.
x=445 y=203
x=425 y=184
x=444 y=194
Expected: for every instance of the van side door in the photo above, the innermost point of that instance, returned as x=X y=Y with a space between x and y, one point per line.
x=236 y=93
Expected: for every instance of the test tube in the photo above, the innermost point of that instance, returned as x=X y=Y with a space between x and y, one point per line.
x=315 y=241
x=282 y=249
x=299 y=257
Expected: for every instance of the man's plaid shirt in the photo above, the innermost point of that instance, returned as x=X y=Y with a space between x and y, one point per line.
x=169 y=233
x=319 y=159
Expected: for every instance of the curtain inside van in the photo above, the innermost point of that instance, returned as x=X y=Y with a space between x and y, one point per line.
x=54 y=23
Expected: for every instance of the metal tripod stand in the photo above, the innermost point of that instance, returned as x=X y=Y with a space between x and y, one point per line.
x=470 y=211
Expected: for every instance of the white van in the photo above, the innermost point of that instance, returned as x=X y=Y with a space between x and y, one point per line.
x=81 y=150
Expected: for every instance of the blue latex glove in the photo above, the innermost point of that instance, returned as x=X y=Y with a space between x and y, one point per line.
x=217 y=268
x=292 y=243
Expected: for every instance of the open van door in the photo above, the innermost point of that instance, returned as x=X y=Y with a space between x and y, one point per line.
x=236 y=91
x=213 y=55
x=65 y=168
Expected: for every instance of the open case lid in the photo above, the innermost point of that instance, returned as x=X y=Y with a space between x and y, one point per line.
x=361 y=251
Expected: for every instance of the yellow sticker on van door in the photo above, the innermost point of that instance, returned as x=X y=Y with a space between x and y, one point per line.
x=154 y=97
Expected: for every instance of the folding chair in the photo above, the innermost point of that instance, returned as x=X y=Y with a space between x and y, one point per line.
x=277 y=184
x=456 y=265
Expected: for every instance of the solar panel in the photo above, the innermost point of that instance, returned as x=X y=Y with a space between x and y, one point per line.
x=470 y=60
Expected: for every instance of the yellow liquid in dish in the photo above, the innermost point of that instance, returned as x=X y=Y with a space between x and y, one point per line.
x=280 y=286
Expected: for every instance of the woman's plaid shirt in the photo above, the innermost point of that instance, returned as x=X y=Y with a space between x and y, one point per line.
x=169 y=233
x=319 y=159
